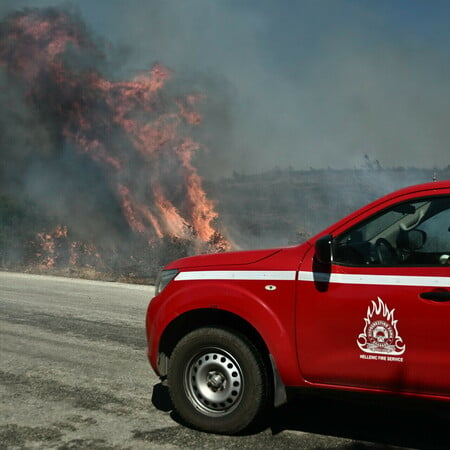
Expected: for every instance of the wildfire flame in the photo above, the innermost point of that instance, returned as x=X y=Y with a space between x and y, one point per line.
x=57 y=249
x=135 y=131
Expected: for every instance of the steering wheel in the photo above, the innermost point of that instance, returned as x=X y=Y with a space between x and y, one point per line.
x=385 y=252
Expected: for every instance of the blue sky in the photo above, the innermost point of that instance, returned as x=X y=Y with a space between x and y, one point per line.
x=316 y=83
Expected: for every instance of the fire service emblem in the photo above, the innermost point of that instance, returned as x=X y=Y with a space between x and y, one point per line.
x=380 y=335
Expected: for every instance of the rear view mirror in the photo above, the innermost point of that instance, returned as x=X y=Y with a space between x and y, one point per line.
x=405 y=208
x=323 y=247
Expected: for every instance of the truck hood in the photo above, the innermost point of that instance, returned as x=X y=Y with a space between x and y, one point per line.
x=222 y=259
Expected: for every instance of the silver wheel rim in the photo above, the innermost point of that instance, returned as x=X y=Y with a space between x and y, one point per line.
x=213 y=382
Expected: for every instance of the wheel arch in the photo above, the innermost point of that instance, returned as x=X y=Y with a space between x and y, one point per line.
x=197 y=318
x=213 y=317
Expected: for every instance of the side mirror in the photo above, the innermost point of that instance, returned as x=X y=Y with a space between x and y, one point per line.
x=416 y=239
x=411 y=240
x=323 y=247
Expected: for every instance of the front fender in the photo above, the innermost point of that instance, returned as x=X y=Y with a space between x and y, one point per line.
x=271 y=314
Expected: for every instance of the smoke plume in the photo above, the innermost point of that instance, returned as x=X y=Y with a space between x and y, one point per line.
x=108 y=159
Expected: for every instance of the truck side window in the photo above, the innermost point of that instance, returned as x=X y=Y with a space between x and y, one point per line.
x=414 y=233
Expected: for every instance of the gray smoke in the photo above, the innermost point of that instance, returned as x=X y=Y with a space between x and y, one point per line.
x=308 y=84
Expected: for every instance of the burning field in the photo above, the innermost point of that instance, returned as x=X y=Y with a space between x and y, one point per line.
x=109 y=172
x=108 y=164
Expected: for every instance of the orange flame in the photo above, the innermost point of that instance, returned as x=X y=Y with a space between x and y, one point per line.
x=133 y=130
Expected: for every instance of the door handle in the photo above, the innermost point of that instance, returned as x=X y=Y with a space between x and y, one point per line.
x=436 y=296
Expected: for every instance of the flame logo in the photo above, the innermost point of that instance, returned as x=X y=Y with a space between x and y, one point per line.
x=380 y=335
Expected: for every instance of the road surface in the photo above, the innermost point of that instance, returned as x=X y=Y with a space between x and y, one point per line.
x=74 y=375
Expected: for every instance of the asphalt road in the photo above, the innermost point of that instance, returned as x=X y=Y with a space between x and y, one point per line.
x=74 y=375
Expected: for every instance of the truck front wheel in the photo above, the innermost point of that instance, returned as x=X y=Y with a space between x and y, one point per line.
x=218 y=381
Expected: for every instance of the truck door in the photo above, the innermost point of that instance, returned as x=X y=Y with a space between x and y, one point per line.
x=378 y=315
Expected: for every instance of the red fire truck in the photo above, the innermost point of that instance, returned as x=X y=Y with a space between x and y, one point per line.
x=362 y=306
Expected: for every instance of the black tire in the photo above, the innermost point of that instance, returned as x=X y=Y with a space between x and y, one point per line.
x=218 y=381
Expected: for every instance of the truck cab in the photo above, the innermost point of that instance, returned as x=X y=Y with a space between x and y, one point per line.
x=362 y=306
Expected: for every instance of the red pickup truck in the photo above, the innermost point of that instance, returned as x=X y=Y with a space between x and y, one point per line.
x=363 y=306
